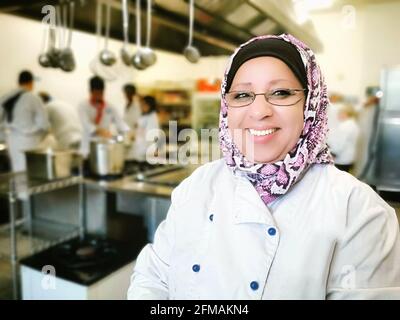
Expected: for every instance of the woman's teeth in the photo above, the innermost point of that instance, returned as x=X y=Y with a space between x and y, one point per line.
x=262 y=132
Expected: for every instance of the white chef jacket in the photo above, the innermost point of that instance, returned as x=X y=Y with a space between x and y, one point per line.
x=333 y=116
x=330 y=237
x=87 y=114
x=132 y=114
x=65 y=123
x=144 y=134
x=344 y=142
x=28 y=128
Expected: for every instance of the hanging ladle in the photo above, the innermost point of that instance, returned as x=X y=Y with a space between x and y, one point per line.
x=67 y=60
x=107 y=57
x=125 y=56
x=148 y=55
x=137 y=59
x=43 y=58
x=191 y=53
x=53 y=53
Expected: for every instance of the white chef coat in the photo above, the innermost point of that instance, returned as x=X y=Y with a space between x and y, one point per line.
x=87 y=114
x=344 y=142
x=333 y=117
x=28 y=128
x=330 y=237
x=65 y=124
x=132 y=114
x=144 y=134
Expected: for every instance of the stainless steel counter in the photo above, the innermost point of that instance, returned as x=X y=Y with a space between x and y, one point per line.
x=155 y=183
x=158 y=183
x=128 y=184
x=17 y=186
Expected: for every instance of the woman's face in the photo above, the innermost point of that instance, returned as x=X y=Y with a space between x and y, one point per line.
x=280 y=126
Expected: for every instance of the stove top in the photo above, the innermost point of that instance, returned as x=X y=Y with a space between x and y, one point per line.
x=85 y=261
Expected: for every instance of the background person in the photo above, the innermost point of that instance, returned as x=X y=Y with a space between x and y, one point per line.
x=24 y=120
x=64 y=122
x=147 y=122
x=344 y=143
x=98 y=116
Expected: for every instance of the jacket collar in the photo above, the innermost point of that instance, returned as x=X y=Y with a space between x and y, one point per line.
x=248 y=206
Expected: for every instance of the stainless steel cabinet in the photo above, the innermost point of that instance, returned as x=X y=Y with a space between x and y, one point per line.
x=387 y=156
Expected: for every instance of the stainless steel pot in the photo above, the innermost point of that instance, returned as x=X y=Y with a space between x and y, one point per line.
x=49 y=164
x=107 y=156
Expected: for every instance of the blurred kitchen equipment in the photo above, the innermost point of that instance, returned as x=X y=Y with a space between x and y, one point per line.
x=43 y=58
x=53 y=52
x=108 y=73
x=191 y=53
x=148 y=55
x=49 y=164
x=107 y=57
x=170 y=176
x=107 y=156
x=137 y=59
x=383 y=170
x=4 y=159
x=95 y=266
x=125 y=56
x=66 y=59
x=95 y=61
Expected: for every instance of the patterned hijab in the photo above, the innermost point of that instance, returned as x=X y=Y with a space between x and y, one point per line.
x=272 y=180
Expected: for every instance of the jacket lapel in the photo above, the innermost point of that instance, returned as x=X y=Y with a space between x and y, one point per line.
x=248 y=206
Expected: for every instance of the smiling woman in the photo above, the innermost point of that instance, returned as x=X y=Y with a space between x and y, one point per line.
x=274 y=219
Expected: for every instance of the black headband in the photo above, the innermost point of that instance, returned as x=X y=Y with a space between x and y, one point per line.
x=276 y=48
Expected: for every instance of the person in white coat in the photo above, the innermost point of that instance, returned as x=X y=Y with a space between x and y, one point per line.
x=333 y=108
x=98 y=116
x=24 y=120
x=147 y=129
x=344 y=142
x=132 y=114
x=132 y=108
x=273 y=219
x=64 y=122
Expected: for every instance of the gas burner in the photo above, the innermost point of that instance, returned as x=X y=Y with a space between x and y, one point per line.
x=86 y=261
x=80 y=254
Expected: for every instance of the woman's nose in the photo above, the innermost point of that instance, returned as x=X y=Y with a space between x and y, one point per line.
x=260 y=108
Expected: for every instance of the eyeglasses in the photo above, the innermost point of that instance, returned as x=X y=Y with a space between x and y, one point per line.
x=277 y=97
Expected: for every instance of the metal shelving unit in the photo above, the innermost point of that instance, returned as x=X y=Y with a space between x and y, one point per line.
x=19 y=187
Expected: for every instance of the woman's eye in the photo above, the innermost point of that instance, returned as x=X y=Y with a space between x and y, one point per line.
x=281 y=93
x=241 y=95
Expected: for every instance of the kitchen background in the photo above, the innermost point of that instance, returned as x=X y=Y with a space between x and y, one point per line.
x=357 y=45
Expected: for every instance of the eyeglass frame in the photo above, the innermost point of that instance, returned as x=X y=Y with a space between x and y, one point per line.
x=267 y=97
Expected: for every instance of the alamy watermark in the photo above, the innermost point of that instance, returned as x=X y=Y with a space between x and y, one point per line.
x=189 y=146
x=49 y=278
x=348 y=273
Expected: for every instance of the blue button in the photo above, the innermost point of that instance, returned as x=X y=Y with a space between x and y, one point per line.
x=271 y=231
x=254 y=285
x=211 y=217
x=196 y=268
